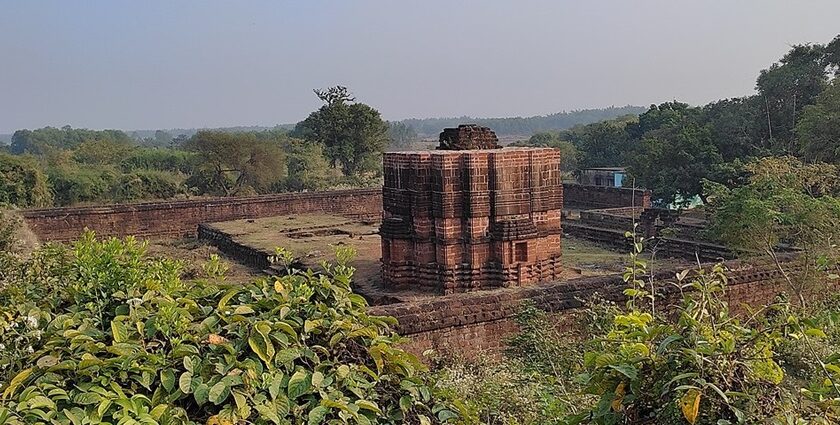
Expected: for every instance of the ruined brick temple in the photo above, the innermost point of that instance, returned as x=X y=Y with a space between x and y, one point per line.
x=471 y=215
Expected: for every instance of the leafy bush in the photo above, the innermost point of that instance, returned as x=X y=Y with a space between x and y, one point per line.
x=101 y=333
x=22 y=183
x=8 y=232
x=159 y=159
x=73 y=184
x=148 y=184
x=501 y=392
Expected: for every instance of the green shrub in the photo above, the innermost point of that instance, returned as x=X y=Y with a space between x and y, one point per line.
x=146 y=184
x=73 y=184
x=9 y=226
x=501 y=392
x=22 y=183
x=158 y=159
x=103 y=334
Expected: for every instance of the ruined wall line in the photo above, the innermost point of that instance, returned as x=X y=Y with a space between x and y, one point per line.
x=181 y=218
x=470 y=323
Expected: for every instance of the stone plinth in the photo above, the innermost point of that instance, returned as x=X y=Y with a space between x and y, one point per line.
x=462 y=220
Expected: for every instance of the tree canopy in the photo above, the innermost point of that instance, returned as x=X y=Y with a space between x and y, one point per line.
x=231 y=163
x=23 y=183
x=353 y=134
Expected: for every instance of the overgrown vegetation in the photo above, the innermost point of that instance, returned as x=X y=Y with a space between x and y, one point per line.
x=101 y=334
x=338 y=146
x=660 y=360
x=673 y=147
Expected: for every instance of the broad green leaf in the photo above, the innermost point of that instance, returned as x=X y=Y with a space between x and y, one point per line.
x=243 y=310
x=298 y=384
x=626 y=370
x=47 y=361
x=167 y=379
x=40 y=401
x=119 y=331
x=368 y=405
x=268 y=411
x=16 y=381
x=185 y=382
x=317 y=379
x=219 y=392
x=317 y=415
x=201 y=393
x=343 y=371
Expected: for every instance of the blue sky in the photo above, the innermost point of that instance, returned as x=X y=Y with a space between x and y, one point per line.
x=163 y=64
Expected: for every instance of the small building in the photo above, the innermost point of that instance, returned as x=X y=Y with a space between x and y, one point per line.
x=602 y=176
x=470 y=215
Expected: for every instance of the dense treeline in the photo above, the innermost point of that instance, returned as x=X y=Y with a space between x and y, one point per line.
x=673 y=147
x=337 y=146
x=523 y=126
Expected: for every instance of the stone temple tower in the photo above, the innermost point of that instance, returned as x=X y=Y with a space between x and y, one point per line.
x=471 y=215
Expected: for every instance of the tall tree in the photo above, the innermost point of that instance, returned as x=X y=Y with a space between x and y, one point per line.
x=818 y=129
x=232 y=163
x=603 y=144
x=569 y=154
x=352 y=133
x=786 y=88
x=674 y=160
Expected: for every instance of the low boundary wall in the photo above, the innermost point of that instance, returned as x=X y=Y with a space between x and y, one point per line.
x=244 y=254
x=470 y=323
x=181 y=218
x=582 y=197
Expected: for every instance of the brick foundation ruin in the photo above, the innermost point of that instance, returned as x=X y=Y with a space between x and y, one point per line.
x=463 y=220
x=468 y=136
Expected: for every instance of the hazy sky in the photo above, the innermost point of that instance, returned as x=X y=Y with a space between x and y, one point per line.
x=164 y=64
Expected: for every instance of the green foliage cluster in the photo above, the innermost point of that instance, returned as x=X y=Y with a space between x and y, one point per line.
x=170 y=160
x=401 y=136
x=339 y=146
x=662 y=361
x=101 y=334
x=818 y=129
x=47 y=139
x=22 y=182
x=353 y=134
x=706 y=367
x=500 y=393
x=9 y=227
x=672 y=147
x=784 y=203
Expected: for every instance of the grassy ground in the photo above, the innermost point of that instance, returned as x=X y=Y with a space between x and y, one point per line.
x=194 y=255
x=592 y=259
x=312 y=238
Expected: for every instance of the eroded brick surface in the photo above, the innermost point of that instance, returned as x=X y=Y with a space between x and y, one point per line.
x=468 y=136
x=181 y=218
x=463 y=220
x=467 y=324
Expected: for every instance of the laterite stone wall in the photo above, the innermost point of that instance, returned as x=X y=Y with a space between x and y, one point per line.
x=598 y=197
x=470 y=323
x=181 y=218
